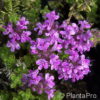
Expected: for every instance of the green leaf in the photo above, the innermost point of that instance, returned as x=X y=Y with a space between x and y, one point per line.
x=4 y=95
x=58 y=96
x=41 y=97
x=2 y=29
x=45 y=10
x=16 y=76
x=15 y=80
x=26 y=95
x=28 y=60
x=7 y=56
x=13 y=17
x=63 y=56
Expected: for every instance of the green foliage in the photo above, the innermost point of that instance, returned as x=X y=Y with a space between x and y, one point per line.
x=56 y=4
x=24 y=95
x=17 y=74
x=63 y=56
x=91 y=16
x=29 y=60
x=15 y=80
x=45 y=10
x=27 y=95
x=4 y=95
x=58 y=96
x=7 y=57
x=41 y=97
x=10 y=11
x=2 y=29
x=96 y=15
x=82 y=8
x=33 y=10
x=21 y=95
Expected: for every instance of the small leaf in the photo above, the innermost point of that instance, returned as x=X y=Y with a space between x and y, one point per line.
x=58 y=96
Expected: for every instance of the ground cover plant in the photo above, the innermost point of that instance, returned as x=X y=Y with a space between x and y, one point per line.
x=45 y=46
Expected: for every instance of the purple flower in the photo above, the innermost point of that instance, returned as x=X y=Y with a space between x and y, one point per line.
x=70 y=30
x=13 y=45
x=75 y=27
x=42 y=44
x=38 y=83
x=25 y=36
x=9 y=29
x=57 y=47
x=52 y=16
x=40 y=28
x=64 y=25
x=21 y=24
x=14 y=36
x=50 y=93
x=84 y=24
x=49 y=80
x=54 y=61
x=33 y=50
x=42 y=64
x=73 y=55
x=34 y=78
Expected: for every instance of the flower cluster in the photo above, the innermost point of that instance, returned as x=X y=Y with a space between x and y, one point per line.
x=54 y=41
x=18 y=34
x=71 y=39
x=38 y=83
